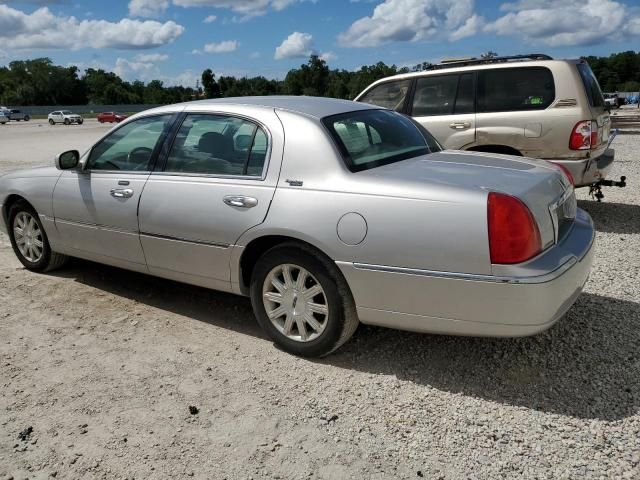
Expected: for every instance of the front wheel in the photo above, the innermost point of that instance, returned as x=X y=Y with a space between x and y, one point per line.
x=27 y=118
x=80 y=122
x=29 y=240
x=51 y=122
x=302 y=301
x=66 y=121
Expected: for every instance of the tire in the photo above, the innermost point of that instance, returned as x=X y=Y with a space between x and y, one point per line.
x=337 y=325
x=27 y=118
x=51 y=122
x=80 y=122
x=47 y=259
x=66 y=121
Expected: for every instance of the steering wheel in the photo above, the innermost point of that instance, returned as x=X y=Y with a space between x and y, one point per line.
x=139 y=151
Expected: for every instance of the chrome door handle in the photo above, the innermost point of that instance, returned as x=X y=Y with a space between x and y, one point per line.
x=121 y=192
x=459 y=125
x=240 y=201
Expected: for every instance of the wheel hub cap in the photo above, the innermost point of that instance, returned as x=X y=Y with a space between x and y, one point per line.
x=28 y=237
x=295 y=303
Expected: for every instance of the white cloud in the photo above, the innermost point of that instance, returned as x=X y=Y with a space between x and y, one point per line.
x=133 y=70
x=210 y=19
x=470 y=27
x=152 y=57
x=328 y=56
x=571 y=22
x=148 y=8
x=248 y=8
x=410 y=20
x=254 y=55
x=3 y=54
x=43 y=29
x=295 y=45
x=221 y=47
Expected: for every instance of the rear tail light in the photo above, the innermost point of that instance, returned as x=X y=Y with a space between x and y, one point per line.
x=584 y=135
x=513 y=233
x=567 y=173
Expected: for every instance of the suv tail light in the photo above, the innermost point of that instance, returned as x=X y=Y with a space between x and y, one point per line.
x=513 y=233
x=584 y=135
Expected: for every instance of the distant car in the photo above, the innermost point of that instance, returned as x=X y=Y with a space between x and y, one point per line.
x=4 y=118
x=64 y=116
x=18 y=115
x=612 y=100
x=327 y=213
x=111 y=117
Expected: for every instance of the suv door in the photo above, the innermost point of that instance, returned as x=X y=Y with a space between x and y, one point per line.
x=96 y=208
x=212 y=188
x=445 y=105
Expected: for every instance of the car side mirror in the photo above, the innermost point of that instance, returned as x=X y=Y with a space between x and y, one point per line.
x=68 y=160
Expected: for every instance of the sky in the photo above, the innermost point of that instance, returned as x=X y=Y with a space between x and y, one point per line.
x=175 y=40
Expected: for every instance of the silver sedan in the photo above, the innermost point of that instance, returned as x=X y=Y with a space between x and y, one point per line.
x=327 y=213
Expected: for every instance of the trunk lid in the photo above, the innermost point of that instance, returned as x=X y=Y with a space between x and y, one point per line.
x=540 y=185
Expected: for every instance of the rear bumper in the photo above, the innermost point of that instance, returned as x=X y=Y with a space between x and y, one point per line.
x=477 y=305
x=588 y=171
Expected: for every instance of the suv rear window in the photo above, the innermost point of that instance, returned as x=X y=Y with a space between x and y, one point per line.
x=372 y=138
x=388 y=95
x=512 y=89
x=591 y=86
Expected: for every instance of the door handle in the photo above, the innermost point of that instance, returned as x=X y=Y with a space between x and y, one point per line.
x=121 y=192
x=459 y=125
x=240 y=201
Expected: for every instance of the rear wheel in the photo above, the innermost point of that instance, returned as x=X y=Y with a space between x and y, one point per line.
x=302 y=301
x=29 y=240
x=27 y=118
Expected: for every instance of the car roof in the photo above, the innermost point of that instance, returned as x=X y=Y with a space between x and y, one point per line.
x=317 y=107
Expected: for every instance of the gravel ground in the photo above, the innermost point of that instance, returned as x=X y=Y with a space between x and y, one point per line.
x=104 y=364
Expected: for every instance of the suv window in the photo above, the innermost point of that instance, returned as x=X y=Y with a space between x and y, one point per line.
x=591 y=86
x=372 y=138
x=218 y=145
x=435 y=95
x=512 y=89
x=388 y=95
x=130 y=147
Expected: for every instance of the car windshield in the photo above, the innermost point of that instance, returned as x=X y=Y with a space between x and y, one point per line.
x=372 y=138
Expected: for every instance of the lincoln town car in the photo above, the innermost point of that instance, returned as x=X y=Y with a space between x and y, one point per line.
x=326 y=213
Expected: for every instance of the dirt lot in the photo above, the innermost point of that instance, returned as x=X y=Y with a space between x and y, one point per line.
x=104 y=364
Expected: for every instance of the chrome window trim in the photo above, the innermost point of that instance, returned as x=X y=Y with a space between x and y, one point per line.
x=267 y=158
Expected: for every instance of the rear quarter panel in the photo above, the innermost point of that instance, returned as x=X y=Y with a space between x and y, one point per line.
x=413 y=226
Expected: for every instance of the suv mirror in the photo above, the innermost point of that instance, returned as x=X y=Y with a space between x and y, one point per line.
x=68 y=160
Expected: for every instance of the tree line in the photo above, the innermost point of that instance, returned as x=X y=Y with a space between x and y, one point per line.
x=40 y=82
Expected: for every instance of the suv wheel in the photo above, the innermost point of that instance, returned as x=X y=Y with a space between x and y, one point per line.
x=66 y=121
x=51 y=122
x=302 y=301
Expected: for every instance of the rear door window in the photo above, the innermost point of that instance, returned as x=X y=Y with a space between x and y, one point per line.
x=513 y=89
x=591 y=85
x=390 y=95
x=435 y=95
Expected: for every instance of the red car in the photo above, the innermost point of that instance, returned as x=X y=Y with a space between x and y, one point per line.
x=111 y=117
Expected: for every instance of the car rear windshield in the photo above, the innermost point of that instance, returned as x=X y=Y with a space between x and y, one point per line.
x=372 y=138
x=591 y=86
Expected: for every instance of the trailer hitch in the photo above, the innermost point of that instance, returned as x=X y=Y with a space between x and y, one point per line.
x=595 y=190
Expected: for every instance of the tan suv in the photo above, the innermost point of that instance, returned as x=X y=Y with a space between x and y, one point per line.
x=529 y=105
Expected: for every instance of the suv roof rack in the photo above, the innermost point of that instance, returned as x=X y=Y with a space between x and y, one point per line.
x=462 y=62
